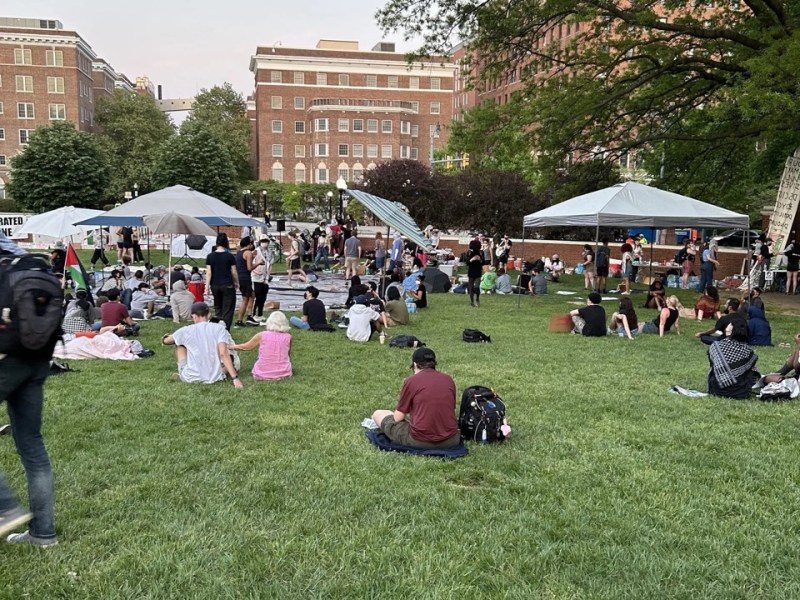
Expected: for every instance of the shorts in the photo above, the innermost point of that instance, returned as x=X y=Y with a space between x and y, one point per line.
x=127 y=245
x=650 y=327
x=246 y=287
x=351 y=262
x=182 y=370
x=627 y=272
x=400 y=433
x=119 y=245
x=602 y=271
x=687 y=267
x=294 y=264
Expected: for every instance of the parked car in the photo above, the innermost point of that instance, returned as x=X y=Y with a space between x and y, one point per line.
x=736 y=238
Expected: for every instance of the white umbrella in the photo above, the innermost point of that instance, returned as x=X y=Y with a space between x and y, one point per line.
x=172 y=223
x=58 y=223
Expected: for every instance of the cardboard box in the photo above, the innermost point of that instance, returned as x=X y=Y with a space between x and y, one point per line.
x=272 y=305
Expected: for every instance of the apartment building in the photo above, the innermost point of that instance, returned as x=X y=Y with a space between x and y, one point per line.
x=333 y=111
x=47 y=74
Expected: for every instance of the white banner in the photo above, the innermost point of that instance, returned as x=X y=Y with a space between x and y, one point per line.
x=10 y=222
x=780 y=223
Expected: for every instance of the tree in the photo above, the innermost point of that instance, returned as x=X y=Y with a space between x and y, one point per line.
x=198 y=159
x=131 y=131
x=669 y=77
x=224 y=112
x=60 y=167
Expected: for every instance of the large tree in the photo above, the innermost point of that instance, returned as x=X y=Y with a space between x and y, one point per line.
x=196 y=157
x=60 y=167
x=131 y=131
x=223 y=111
x=683 y=81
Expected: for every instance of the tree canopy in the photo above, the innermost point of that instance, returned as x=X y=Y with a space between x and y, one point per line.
x=60 y=167
x=694 y=86
x=131 y=132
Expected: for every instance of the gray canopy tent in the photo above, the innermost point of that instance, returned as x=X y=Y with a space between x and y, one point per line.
x=634 y=205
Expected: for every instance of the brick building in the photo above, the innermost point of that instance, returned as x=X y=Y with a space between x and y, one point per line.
x=47 y=74
x=334 y=110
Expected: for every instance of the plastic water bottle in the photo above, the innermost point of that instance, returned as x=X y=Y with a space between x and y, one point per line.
x=383 y=338
x=483 y=436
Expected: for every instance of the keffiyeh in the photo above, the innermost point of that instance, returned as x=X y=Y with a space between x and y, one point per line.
x=730 y=359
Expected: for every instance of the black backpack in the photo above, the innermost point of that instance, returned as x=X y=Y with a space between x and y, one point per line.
x=406 y=341
x=475 y=336
x=602 y=257
x=31 y=300
x=482 y=415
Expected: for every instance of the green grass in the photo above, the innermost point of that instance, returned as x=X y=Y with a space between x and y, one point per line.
x=610 y=487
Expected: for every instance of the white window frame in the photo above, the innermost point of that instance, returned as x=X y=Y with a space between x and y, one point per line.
x=54 y=58
x=372 y=81
x=299 y=151
x=23 y=56
x=276 y=102
x=320 y=178
x=346 y=148
x=2 y=134
x=60 y=111
x=277 y=126
x=413 y=83
x=26 y=110
x=358 y=150
x=299 y=102
x=393 y=81
x=25 y=133
x=3 y=160
x=372 y=125
x=321 y=125
x=24 y=80
x=405 y=127
x=372 y=150
x=277 y=174
x=321 y=150
x=344 y=125
x=297 y=170
x=277 y=150
x=343 y=174
x=404 y=151
x=414 y=153
x=299 y=78
x=436 y=108
x=386 y=151
x=436 y=83
x=358 y=130
x=415 y=106
x=344 y=79
x=1 y=108
x=299 y=126
x=414 y=130
x=386 y=126
x=55 y=85
x=322 y=79
x=275 y=77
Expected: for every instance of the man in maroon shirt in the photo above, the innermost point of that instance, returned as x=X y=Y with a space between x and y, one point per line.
x=114 y=312
x=429 y=398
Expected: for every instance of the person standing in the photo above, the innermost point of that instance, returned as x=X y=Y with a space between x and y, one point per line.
x=100 y=241
x=588 y=267
x=127 y=242
x=601 y=262
x=260 y=276
x=380 y=252
x=708 y=264
x=294 y=258
x=244 y=265
x=22 y=378
x=352 y=256
x=396 y=254
x=792 y=253
x=222 y=278
x=137 y=247
x=474 y=272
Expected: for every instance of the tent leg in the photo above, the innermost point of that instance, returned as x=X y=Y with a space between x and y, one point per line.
x=596 y=246
x=652 y=243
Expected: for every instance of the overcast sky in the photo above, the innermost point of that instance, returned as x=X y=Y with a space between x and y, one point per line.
x=188 y=45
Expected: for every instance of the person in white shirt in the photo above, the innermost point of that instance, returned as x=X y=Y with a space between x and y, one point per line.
x=181 y=301
x=144 y=299
x=203 y=351
x=133 y=283
x=363 y=320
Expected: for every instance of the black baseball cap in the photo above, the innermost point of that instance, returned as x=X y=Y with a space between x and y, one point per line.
x=423 y=355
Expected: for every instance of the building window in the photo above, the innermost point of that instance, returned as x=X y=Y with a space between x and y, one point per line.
x=386 y=151
x=299 y=79
x=413 y=83
x=415 y=106
x=277 y=150
x=344 y=79
x=344 y=124
x=300 y=174
x=22 y=56
x=299 y=102
x=25 y=135
x=299 y=151
x=321 y=149
x=436 y=83
x=344 y=174
x=415 y=131
x=358 y=125
x=2 y=134
x=435 y=108
x=403 y=151
x=277 y=127
x=393 y=81
x=275 y=76
x=386 y=126
x=276 y=102
x=58 y=112
x=322 y=175
x=405 y=127
x=55 y=85
x=25 y=110
x=55 y=58
x=322 y=79
x=358 y=175
x=24 y=83
x=277 y=173
x=414 y=154
x=358 y=150
x=3 y=164
x=1 y=108
x=372 y=81
x=320 y=124
x=372 y=125
x=344 y=150
x=372 y=150
x=299 y=126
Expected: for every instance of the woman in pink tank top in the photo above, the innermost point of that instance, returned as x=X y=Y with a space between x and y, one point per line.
x=274 y=346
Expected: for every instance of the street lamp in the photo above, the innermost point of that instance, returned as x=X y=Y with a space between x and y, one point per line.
x=135 y=190
x=434 y=135
x=330 y=205
x=341 y=185
x=264 y=203
x=246 y=201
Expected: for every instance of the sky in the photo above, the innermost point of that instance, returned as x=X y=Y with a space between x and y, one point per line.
x=188 y=45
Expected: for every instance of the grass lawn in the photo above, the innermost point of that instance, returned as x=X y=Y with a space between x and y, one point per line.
x=610 y=487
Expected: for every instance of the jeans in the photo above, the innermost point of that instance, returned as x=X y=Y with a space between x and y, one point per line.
x=22 y=385
x=224 y=303
x=322 y=255
x=299 y=323
x=706 y=275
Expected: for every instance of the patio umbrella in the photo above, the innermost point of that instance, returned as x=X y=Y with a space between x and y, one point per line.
x=174 y=223
x=58 y=223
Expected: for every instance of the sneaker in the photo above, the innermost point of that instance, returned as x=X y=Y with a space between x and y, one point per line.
x=27 y=538
x=238 y=324
x=12 y=518
x=5 y=429
x=252 y=319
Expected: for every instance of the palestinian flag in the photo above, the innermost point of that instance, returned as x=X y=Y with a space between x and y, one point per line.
x=74 y=269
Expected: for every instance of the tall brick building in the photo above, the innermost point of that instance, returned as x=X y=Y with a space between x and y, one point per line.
x=334 y=110
x=47 y=74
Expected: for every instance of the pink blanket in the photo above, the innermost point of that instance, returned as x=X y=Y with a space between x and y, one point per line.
x=107 y=345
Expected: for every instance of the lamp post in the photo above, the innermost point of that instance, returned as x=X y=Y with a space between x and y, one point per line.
x=135 y=190
x=341 y=185
x=330 y=205
x=264 y=203
x=246 y=201
x=434 y=135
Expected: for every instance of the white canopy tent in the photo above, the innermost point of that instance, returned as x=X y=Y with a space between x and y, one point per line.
x=58 y=223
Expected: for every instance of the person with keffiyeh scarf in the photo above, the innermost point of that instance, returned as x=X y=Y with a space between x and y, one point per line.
x=733 y=364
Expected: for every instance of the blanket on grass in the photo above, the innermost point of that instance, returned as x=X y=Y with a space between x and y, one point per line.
x=384 y=443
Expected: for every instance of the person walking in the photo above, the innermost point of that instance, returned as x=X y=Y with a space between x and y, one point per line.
x=222 y=278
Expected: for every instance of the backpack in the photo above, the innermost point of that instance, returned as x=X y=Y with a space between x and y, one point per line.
x=482 y=414
x=31 y=300
x=405 y=341
x=475 y=336
x=786 y=389
x=601 y=260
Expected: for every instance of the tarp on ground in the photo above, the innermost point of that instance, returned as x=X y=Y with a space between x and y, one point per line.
x=633 y=204
x=179 y=199
x=394 y=214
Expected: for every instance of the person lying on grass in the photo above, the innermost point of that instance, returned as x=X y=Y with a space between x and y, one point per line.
x=733 y=364
x=274 y=349
x=203 y=351
x=425 y=414
x=667 y=317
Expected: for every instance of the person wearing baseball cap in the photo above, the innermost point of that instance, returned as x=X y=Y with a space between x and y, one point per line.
x=425 y=416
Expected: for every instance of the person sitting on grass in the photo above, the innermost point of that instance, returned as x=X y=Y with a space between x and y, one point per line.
x=791 y=368
x=363 y=320
x=590 y=320
x=420 y=295
x=759 y=332
x=523 y=282
x=730 y=313
x=314 y=317
x=113 y=312
x=707 y=305
x=538 y=284
x=488 y=281
x=669 y=316
x=503 y=283
x=203 y=350
x=143 y=300
x=396 y=310
x=356 y=289
x=425 y=414
x=656 y=294
x=755 y=299
x=78 y=320
x=733 y=364
x=181 y=301
x=556 y=268
x=624 y=322
x=274 y=349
